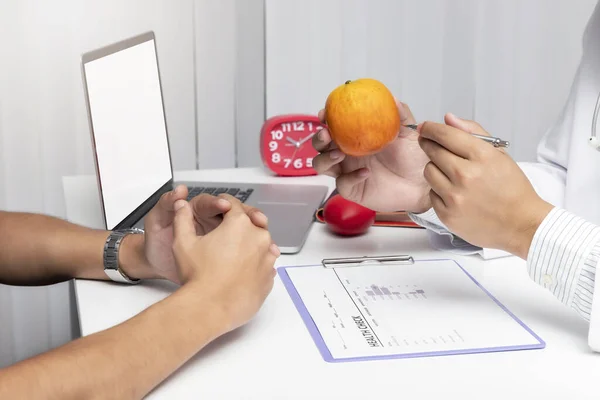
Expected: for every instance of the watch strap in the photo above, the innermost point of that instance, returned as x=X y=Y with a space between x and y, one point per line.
x=111 y=255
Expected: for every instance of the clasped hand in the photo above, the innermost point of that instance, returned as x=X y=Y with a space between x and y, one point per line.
x=216 y=247
x=206 y=214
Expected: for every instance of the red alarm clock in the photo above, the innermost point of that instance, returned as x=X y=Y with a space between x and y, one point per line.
x=285 y=144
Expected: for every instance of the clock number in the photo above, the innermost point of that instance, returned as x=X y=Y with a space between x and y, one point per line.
x=277 y=135
x=287 y=161
x=286 y=127
x=309 y=162
x=275 y=157
x=298 y=126
x=310 y=126
x=298 y=163
x=273 y=146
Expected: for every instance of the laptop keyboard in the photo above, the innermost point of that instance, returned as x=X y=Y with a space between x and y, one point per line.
x=240 y=194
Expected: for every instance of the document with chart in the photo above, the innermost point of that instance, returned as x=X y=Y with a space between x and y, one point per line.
x=427 y=308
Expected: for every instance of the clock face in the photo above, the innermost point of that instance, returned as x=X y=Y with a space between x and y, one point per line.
x=286 y=147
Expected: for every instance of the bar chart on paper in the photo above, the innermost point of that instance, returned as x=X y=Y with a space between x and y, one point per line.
x=396 y=311
x=402 y=292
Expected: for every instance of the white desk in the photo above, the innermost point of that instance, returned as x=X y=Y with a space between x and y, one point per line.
x=274 y=356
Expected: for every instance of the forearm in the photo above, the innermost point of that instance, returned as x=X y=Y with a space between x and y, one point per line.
x=39 y=250
x=124 y=362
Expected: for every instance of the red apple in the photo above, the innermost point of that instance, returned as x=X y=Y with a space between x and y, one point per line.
x=346 y=217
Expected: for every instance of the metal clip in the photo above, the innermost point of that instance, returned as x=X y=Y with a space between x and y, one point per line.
x=360 y=261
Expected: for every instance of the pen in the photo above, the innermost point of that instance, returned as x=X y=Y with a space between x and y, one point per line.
x=358 y=261
x=496 y=142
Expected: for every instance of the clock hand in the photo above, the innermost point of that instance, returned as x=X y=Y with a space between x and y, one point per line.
x=294 y=154
x=300 y=143
x=289 y=139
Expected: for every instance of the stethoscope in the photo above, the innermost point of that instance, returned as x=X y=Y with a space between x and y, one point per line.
x=594 y=140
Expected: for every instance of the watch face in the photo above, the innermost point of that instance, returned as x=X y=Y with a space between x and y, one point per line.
x=286 y=147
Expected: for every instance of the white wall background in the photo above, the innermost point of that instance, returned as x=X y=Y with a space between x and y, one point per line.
x=43 y=127
x=505 y=63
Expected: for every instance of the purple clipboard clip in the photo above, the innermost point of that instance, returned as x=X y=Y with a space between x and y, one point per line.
x=340 y=262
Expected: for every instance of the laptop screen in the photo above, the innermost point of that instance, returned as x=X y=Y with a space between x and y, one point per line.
x=130 y=137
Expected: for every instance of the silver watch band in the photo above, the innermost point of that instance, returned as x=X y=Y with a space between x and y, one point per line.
x=111 y=256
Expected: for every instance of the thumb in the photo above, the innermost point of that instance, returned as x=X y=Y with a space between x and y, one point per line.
x=406 y=115
x=183 y=223
x=237 y=208
x=464 y=124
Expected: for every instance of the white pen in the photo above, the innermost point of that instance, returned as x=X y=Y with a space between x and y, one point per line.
x=496 y=142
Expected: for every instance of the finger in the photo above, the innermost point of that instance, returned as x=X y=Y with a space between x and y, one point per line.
x=274 y=250
x=437 y=203
x=458 y=142
x=268 y=268
x=322 y=141
x=406 y=115
x=237 y=207
x=437 y=180
x=406 y=118
x=207 y=206
x=446 y=161
x=464 y=124
x=164 y=211
x=346 y=183
x=269 y=259
x=179 y=193
x=264 y=243
x=468 y=126
x=257 y=217
x=328 y=163
x=322 y=115
x=183 y=223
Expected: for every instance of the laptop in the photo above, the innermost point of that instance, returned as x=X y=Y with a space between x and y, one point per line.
x=133 y=163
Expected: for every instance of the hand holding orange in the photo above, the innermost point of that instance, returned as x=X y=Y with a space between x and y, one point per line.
x=362 y=117
x=389 y=179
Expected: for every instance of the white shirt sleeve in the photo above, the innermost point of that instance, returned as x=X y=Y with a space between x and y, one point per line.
x=429 y=220
x=563 y=257
x=443 y=239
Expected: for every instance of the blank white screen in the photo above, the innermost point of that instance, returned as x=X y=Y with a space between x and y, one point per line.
x=129 y=128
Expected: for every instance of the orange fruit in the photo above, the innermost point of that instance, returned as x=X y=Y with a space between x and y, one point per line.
x=362 y=116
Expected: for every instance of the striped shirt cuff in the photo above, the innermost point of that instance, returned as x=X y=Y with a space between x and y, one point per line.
x=563 y=258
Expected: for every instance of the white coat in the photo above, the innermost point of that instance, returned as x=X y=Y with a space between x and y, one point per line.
x=567 y=173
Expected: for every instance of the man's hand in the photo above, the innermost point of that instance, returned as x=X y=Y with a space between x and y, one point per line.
x=232 y=265
x=477 y=190
x=207 y=215
x=227 y=273
x=391 y=180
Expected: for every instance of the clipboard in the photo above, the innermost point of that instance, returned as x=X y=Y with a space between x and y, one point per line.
x=515 y=335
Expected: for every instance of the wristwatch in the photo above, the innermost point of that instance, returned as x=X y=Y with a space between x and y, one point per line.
x=111 y=255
